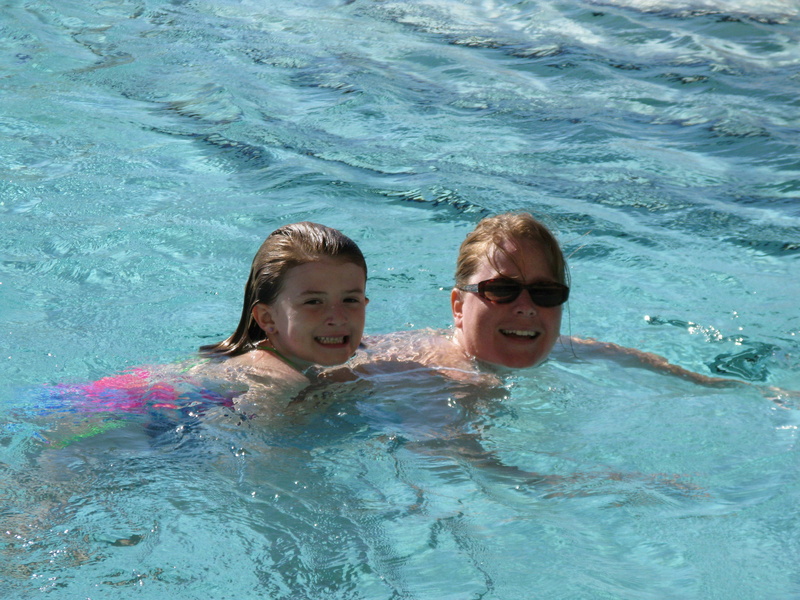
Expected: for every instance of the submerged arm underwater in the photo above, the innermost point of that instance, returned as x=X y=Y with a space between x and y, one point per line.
x=630 y=357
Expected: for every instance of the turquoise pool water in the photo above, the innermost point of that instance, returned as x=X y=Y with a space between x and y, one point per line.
x=147 y=149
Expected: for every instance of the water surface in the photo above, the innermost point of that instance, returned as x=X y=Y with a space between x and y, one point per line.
x=149 y=147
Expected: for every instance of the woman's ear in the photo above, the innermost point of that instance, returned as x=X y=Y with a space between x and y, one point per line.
x=457 y=305
x=263 y=316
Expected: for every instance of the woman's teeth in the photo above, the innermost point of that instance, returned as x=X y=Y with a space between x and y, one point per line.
x=520 y=333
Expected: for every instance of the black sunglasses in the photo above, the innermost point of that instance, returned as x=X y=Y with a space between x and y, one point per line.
x=503 y=291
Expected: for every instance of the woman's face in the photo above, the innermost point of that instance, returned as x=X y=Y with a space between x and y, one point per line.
x=517 y=334
x=318 y=316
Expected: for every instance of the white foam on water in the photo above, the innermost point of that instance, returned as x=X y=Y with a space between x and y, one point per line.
x=760 y=9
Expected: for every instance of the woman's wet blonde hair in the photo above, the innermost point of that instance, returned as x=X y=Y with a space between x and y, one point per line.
x=491 y=232
x=289 y=246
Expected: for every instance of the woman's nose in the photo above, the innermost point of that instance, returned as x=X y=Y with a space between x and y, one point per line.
x=524 y=304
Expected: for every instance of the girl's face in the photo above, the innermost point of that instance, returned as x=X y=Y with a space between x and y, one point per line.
x=517 y=334
x=318 y=317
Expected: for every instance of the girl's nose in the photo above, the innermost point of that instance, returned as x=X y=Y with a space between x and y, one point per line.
x=337 y=315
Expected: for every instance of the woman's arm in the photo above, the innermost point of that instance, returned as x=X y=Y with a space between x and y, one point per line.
x=647 y=360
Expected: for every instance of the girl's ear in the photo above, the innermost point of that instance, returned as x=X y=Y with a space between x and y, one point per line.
x=263 y=316
x=457 y=305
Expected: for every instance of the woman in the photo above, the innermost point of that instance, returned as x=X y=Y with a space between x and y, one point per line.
x=511 y=282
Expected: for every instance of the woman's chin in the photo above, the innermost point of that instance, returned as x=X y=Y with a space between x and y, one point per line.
x=511 y=363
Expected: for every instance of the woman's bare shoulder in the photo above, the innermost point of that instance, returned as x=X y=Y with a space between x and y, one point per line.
x=426 y=349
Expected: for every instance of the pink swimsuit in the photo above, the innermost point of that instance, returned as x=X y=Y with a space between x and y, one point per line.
x=135 y=391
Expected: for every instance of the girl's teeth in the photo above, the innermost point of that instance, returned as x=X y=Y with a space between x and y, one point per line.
x=331 y=340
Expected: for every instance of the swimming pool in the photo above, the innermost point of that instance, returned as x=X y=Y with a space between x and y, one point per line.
x=148 y=147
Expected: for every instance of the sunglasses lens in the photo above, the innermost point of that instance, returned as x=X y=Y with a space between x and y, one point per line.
x=549 y=297
x=501 y=291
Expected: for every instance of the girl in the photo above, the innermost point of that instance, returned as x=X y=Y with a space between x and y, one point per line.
x=304 y=305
